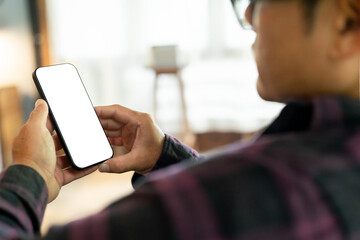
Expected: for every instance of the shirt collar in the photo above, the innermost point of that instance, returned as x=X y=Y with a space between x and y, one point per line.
x=319 y=114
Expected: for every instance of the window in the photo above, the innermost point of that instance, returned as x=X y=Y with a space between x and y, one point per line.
x=110 y=43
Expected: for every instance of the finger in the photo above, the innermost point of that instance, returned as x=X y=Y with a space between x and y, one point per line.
x=113 y=134
x=116 y=112
x=49 y=125
x=116 y=141
x=57 y=142
x=110 y=124
x=40 y=113
x=62 y=162
x=72 y=174
x=120 y=164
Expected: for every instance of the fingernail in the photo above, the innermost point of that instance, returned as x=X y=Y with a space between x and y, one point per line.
x=38 y=102
x=104 y=168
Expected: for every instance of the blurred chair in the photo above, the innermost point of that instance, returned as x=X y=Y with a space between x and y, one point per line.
x=11 y=120
x=165 y=61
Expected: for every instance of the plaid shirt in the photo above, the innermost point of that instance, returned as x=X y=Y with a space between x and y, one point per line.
x=300 y=179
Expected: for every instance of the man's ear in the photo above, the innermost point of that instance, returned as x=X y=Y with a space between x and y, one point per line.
x=347 y=44
x=347 y=31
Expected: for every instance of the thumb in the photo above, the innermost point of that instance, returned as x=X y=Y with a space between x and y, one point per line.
x=40 y=113
x=118 y=164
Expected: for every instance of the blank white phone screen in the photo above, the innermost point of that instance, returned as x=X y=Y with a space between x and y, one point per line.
x=74 y=114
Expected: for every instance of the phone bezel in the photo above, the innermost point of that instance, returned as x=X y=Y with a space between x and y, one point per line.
x=54 y=122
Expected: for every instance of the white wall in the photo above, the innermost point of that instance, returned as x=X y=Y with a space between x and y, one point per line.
x=109 y=42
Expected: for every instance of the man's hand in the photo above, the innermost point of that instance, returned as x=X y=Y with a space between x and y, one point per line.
x=136 y=132
x=36 y=147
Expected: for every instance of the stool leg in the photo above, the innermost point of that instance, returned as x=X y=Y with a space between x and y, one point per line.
x=189 y=137
x=154 y=96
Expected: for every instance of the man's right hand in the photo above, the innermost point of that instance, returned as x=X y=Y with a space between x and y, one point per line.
x=137 y=133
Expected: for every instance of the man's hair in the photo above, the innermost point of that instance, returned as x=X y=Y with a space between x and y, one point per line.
x=352 y=7
x=310 y=6
x=309 y=10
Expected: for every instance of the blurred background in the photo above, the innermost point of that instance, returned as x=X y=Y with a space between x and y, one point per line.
x=187 y=63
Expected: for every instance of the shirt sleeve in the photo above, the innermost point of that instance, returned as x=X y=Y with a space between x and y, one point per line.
x=23 y=198
x=141 y=215
x=173 y=152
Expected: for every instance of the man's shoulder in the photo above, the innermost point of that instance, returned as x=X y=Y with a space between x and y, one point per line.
x=314 y=152
x=264 y=185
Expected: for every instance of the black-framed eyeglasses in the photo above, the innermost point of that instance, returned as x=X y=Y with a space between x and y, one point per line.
x=240 y=7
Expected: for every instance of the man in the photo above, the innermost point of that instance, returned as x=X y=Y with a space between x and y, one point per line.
x=299 y=179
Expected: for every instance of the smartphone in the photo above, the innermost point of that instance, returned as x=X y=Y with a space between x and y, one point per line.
x=73 y=115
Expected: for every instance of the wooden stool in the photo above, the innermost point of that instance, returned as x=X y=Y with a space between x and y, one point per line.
x=188 y=136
